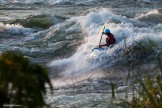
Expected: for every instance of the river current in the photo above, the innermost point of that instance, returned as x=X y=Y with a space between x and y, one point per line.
x=61 y=34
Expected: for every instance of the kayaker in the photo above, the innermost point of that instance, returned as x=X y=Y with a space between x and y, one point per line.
x=110 y=40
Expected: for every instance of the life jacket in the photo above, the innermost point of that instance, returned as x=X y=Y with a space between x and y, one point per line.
x=112 y=39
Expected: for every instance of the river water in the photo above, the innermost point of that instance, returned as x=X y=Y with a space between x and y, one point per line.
x=60 y=34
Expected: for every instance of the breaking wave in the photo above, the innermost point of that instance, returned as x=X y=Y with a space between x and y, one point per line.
x=15 y=29
x=85 y=60
x=151 y=17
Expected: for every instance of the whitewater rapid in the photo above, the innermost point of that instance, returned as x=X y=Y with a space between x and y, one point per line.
x=67 y=45
x=60 y=35
x=126 y=33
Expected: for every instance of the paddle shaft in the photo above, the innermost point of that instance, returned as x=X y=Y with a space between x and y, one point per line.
x=101 y=36
x=100 y=39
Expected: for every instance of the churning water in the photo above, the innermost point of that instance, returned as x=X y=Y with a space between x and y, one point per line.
x=61 y=34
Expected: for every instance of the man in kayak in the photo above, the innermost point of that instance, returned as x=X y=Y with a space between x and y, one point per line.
x=110 y=40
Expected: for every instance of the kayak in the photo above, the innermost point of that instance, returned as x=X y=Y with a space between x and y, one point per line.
x=102 y=48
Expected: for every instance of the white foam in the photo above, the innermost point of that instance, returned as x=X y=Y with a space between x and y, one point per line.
x=147 y=0
x=15 y=29
x=152 y=12
x=57 y=1
x=92 y=24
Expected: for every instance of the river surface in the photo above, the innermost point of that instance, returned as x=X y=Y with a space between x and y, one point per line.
x=61 y=34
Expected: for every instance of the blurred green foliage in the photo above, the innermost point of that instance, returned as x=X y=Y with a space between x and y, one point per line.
x=143 y=84
x=147 y=92
x=22 y=83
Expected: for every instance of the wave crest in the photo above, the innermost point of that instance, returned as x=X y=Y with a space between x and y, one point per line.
x=15 y=29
